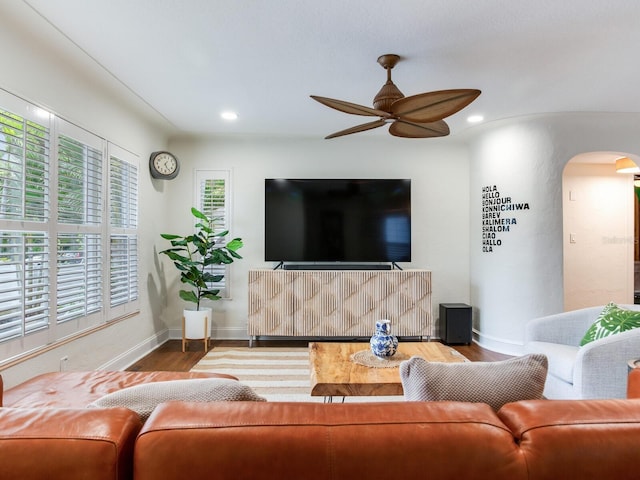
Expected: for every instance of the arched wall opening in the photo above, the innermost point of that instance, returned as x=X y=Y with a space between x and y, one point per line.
x=599 y=231
x=524 y=159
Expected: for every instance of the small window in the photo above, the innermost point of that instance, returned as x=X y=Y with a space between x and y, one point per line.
x=212 y=199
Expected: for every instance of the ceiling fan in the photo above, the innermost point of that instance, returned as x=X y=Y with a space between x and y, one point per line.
x=417 y=116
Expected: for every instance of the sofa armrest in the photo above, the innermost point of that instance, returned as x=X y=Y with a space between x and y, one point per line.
x=73 y=444
x=566 y=328
x=633 y=383
x=557 y=438
x=601 y=366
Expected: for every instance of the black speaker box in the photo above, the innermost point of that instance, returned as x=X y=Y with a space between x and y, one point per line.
x=455 y=323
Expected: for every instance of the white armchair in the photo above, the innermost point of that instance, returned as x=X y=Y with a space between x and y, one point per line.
x=596 y=370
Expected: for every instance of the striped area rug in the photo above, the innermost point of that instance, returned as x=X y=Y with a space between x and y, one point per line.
x=278 y=374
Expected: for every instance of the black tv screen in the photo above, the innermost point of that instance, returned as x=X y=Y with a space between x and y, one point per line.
x=328 y=220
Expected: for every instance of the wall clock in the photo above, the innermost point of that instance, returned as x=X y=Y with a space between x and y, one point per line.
x=164 y=165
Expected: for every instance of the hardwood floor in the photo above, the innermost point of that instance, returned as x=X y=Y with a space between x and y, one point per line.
x=169 y=356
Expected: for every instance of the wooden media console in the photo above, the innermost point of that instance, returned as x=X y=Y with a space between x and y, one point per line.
x=338 y=303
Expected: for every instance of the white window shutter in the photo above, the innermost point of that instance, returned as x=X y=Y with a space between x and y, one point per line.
x=212 y=199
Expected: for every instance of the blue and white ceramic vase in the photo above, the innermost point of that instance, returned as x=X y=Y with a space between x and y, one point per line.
x=383 y=344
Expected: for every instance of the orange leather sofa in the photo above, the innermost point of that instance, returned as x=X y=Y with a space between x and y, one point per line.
x=537 y=439
x=46 y=431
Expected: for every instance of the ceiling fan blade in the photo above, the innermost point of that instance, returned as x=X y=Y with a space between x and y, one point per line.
x=352 y=108
x=357 y=128
x=433 y=106
x=402 y=128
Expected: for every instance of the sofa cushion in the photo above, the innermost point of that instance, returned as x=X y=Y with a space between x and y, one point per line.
x=611 y=320
x=561 y=358
x=144 y=398
x=494 y=383
x=67 y=443
x=77 y=389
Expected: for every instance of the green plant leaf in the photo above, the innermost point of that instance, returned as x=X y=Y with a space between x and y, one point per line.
x=198 y=214
x=182 y=242
x=211 y=278
x=175 y=256
x=235 y=244
x=204 y=227
x=188 y=296
x=212 y=295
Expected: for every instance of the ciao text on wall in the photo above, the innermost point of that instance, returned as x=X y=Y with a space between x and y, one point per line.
x=498 y=217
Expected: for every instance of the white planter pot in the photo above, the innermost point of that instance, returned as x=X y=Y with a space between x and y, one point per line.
x=197 y=323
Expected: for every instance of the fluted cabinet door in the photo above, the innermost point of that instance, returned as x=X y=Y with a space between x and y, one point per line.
x=364 y=302
x=409 y=303
x=318 y=303
x=271 y=303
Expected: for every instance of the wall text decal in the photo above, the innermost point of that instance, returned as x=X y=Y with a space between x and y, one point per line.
x=497 y=216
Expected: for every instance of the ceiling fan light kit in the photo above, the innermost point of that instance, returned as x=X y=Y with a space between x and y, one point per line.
x=416 y=116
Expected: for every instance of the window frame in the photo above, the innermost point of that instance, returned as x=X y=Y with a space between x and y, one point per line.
x=130 y=230
x=201 y=175
x=53 y=331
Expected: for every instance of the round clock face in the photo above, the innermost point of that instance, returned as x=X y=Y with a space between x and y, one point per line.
x=163 y=165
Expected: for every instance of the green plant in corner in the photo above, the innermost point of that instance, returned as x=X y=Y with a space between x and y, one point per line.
x=193 y=254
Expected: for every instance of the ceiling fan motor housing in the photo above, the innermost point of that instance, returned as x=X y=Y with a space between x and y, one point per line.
x=388 y=94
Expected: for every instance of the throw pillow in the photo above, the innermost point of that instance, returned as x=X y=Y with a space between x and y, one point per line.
x=611 y=320
x=144 y=398
x=494 y=383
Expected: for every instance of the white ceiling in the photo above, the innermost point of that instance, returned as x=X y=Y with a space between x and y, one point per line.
x=191 y=59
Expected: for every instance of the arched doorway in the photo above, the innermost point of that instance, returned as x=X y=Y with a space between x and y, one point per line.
x=599 y=231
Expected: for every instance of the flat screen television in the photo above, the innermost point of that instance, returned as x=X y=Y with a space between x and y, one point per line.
x=337 y=220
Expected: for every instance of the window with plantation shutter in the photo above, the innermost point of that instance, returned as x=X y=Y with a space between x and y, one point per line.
x=24 y=173
x=123 y=277
x=212 y=199
x=79 y=182
x=80 y=197
x=24 y=283
x=24 y=210
x=60 y=246
x=79 y=267
x=123 y=243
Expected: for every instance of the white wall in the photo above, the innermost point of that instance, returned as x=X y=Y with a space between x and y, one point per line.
x=438 y=169
x=598 y=208
x=75 y=89
x=525 y=157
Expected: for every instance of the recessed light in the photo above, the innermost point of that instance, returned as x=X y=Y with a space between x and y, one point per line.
x=229 y=115
x=475 y=118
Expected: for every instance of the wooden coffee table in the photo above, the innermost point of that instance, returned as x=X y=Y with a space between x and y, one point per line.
x=333 y=373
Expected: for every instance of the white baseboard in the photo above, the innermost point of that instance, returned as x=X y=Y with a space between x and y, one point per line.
x=500 y=345
x=129 y=357
x=145 y=347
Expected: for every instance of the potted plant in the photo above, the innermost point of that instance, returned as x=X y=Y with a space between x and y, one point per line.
x=193 y=255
